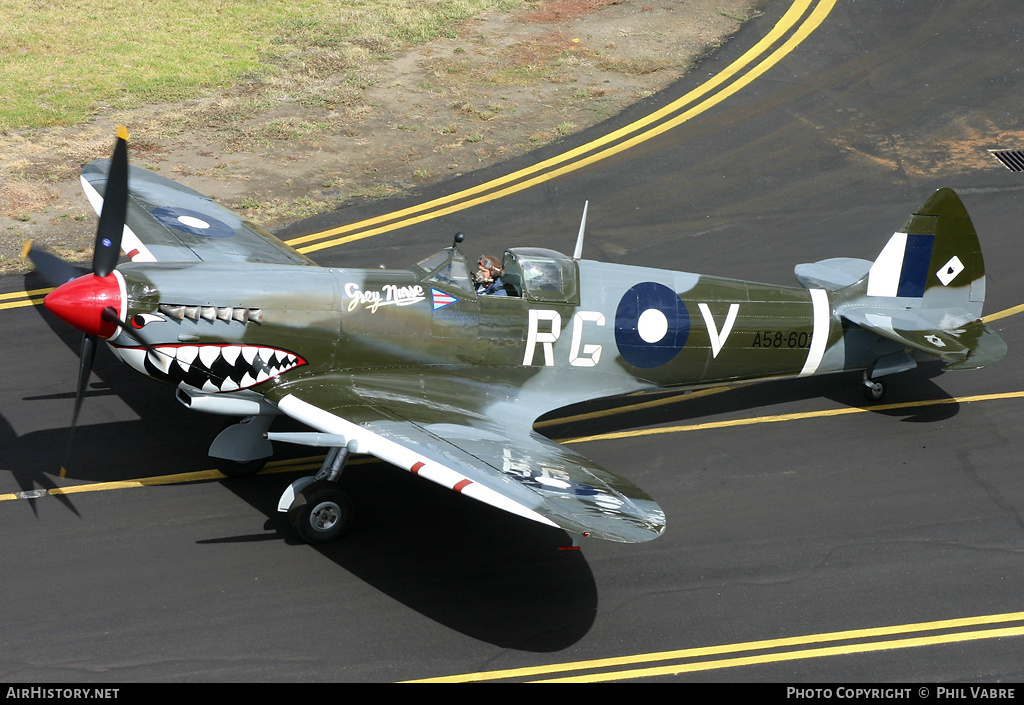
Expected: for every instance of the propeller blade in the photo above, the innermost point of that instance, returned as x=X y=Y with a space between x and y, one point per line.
x=52 y=268
x=106 y=253
x=87 y=357
x=115 y=206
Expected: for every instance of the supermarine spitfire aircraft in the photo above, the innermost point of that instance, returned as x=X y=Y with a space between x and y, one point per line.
x=414 y=367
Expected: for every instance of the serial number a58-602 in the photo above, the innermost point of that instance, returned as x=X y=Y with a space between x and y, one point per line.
x=781 y=339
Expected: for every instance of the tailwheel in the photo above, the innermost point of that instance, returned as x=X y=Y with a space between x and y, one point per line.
x=873 y=389
x=320 y=513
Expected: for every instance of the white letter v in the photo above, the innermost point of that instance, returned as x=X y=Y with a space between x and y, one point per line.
x=718 y=337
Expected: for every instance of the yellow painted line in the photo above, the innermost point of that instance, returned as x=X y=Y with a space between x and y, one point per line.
x=821 y=413
x=21 y=304
x=433 y=209
x=761 y=645
x=1003 y=314
x=21 y=294
x=274 y=467
x=794 y=655
x=143 y=482
x=280 y=466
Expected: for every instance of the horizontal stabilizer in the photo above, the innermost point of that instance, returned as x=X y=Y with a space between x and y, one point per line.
x=832 y=274
x=967 y=346
x=986 y=347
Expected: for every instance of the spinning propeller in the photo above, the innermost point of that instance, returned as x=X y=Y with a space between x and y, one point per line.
x=93 y=302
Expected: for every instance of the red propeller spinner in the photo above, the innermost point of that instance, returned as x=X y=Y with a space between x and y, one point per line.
x=81 y=303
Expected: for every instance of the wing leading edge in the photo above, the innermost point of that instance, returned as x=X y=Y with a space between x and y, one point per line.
x=168 y=222
x=505 y=465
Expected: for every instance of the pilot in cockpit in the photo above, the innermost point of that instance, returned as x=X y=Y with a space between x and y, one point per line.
x=488 y=277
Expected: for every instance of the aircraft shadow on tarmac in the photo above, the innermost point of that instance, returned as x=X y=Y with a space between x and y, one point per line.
x=484 y=573
x=756 y=399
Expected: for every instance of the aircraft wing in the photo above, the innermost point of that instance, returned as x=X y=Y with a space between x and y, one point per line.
x=168 y=222
x=501 y=462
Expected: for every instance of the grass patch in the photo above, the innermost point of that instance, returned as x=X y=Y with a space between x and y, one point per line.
x=61 y=62
x=744 y=16
x=636 y=65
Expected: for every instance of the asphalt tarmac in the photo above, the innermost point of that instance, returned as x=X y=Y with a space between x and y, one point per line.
x=810 y=539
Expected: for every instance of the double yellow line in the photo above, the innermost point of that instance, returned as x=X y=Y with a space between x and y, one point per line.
x=17 y=299
x=799 y=21
x=858 y=641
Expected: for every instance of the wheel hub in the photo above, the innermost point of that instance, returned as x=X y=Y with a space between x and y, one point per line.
x=324 y=516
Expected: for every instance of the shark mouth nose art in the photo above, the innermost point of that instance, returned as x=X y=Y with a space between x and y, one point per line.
x=212 y=368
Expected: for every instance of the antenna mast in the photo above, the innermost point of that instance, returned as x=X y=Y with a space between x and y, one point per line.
x=579 y=238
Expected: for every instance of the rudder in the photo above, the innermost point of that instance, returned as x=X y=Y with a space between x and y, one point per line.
x=934 y=260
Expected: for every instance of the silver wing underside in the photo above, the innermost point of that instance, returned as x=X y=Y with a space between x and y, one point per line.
x=501 y=462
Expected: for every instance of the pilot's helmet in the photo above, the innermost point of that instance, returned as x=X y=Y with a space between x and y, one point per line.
x=491 y=264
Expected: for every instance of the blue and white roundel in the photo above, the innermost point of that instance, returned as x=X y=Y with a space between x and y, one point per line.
x=651 y=325
x=193 y=222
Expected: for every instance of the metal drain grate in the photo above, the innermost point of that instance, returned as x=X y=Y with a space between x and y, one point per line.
x=1012 y=159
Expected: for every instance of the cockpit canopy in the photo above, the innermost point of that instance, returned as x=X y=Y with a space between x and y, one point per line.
x=532 y=273
x=541 y=275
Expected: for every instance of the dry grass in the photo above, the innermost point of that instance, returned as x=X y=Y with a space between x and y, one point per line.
x=561 y=10
x=329 y=115
x=21 y=198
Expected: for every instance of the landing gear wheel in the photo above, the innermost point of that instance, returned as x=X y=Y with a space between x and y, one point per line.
x=320 y=513
x=873 y=389
x=233 y=468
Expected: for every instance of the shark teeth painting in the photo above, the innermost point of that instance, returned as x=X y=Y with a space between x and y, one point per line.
x=211 y=368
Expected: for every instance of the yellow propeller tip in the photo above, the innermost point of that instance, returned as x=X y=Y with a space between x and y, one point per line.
x=122 y=132
x=26 y=249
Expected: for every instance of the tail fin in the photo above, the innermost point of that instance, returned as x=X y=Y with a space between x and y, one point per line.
x=934 y=261
x=927 y=287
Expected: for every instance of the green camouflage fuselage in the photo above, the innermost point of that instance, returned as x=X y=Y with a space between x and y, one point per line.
x=611 y=329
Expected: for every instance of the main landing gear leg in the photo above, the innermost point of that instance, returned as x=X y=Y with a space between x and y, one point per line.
x=317 y=510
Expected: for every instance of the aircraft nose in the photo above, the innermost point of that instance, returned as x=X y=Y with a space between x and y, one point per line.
x=80 y=303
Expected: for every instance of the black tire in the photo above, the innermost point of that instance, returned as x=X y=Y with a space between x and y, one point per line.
x=233 y=468
x=320 y=513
